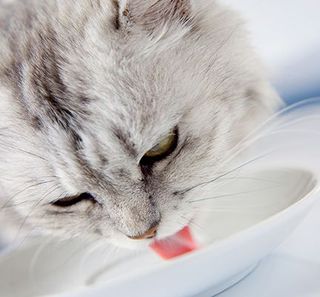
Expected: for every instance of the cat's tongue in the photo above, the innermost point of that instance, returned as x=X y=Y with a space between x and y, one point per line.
x=176 y=245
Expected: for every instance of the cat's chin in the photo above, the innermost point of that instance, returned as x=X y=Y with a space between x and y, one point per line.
x=123 y=242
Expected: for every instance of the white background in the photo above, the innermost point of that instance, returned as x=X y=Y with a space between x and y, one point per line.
x=286 y=33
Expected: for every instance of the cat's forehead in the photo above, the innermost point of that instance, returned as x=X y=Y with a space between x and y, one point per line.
x=142 y=94
x=145 y=84
x=135 y=112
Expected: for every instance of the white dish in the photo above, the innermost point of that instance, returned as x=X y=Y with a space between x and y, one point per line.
x=261 y=218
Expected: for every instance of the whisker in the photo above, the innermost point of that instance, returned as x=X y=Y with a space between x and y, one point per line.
x=251 y=138
x=249 y=141
x=50 y=191
x=299 y=120
x=32 y=154
x=35 y=257
x=18 y=204
x=312 y=133
x=279 y=113
x=105 y=268
x=251 y=178
x=198 y=226
x=225 y=174
x=25 y=189
x=233 y=194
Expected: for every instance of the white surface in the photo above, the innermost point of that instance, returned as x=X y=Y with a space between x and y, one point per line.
x=292 y=270
x=286 y=34
x=266 y=217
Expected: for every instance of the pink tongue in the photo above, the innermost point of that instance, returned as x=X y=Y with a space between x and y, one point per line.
x=175 y=245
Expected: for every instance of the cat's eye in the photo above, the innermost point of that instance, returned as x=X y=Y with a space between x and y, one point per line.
x=73 y=200
x=163 y=149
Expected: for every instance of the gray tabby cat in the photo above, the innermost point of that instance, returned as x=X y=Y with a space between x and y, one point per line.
x=113 y=113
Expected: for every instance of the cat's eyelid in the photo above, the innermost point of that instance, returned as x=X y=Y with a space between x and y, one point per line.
x=155 y=155
x=73 y=200
x=171 y=132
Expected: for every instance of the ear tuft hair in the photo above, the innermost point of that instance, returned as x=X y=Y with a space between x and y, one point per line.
x=152 y=14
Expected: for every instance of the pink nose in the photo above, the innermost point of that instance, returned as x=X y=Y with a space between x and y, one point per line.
x=151 y=233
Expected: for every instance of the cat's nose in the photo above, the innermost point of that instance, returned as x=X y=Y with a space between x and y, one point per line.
x=151 y=233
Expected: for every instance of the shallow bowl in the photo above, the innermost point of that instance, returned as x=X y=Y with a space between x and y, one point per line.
x=266 y=207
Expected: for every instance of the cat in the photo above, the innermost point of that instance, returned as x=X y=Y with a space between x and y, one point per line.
x=113 y=113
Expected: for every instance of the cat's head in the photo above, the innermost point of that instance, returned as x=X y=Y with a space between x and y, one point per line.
x=123 y=109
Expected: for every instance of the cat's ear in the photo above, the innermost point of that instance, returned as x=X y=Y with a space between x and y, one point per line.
x=152 y=14
x=266 y=96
